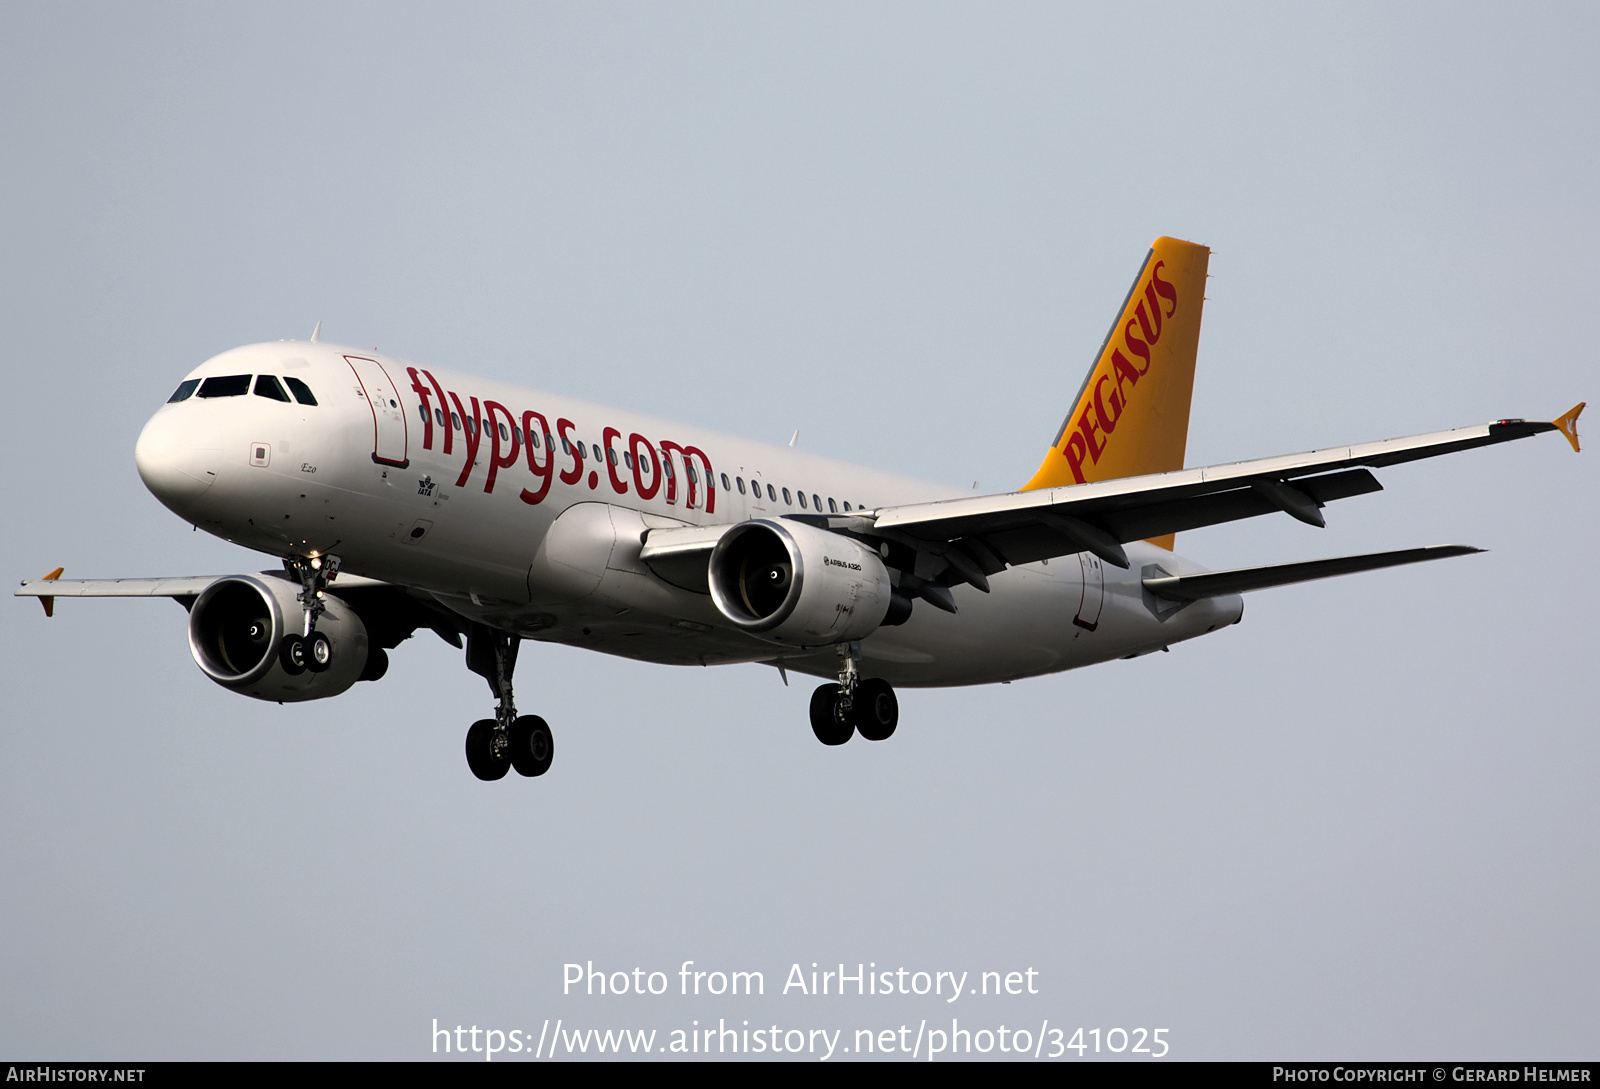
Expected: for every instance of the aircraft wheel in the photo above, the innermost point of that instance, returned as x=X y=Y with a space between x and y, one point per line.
x=319 y=652
x=876 y=710
x=828 y=718
x=292 y=655
x=483 y=758
x=532 y=746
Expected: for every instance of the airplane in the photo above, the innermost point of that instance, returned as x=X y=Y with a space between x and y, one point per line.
x=400 y=497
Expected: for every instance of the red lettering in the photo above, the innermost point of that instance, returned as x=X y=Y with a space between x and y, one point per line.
x=711 y=488
x=672 y=482
x=1073 y=451
x=546 y=471
x=427 y=413
x=1089 y=430
x=1124 y=371
x=568 y=443
x=1135 y=345
x=637 y=442
x=1164 y=289
x=606 y=436
x=448 y=430
x=1108 y=424
x=1144 y=323
x=469 y=429
x=496 y=461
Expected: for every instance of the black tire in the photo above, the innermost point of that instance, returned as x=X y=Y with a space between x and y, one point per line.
x=532 y=745
x=486 y=763
x=828 y=720
x=319 y=652
x=876 y=710
x=292 y=655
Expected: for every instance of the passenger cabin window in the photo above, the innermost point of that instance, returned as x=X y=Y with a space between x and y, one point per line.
x=226 y=385
x=739 y=480
x=833 y=508
x=815 y=502
x=184 y=391
x=455 y=421
x=786 y=499
x=301 y=391
x=802 y=500
x=772 y=494
x=725 y=485
x=269 y=387
x=847 y=504
x=504 y=435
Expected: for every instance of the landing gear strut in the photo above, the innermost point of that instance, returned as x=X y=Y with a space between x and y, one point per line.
x=869 y=707
x=506 y=741
x=311 y=649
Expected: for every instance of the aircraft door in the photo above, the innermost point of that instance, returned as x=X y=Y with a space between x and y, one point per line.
x=1094 y=592
x=389 y=432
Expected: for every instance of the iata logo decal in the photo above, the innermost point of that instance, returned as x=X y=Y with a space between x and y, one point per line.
x=426 y=485
x=1103 y=404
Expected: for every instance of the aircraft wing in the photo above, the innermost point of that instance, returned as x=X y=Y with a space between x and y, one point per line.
x=982 y=535
x=182 y=588
x=186 y=586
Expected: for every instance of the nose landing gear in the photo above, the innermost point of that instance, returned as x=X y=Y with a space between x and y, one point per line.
x=868 y=707
x=508 y=740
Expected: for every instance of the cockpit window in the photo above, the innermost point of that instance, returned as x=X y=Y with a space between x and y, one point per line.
x=301 y=391
x=184 y=391
x=225 y=385
x=268 y=386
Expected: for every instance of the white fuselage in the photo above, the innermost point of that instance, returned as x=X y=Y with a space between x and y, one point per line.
x=523 y=534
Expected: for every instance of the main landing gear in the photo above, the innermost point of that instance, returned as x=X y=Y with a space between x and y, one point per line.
x=494 y=746
x=868 y=707
x=311 y=649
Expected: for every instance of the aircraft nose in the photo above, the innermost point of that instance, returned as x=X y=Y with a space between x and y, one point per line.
x=178 y=457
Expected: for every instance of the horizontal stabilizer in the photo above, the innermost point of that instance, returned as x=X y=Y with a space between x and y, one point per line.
x=1245 y=579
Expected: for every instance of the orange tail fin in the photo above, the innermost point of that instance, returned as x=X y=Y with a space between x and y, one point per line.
x=1132 y=415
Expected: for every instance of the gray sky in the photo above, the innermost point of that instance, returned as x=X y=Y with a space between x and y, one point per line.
x=1361 y=824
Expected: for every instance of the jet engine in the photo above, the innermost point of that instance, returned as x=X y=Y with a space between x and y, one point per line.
x=237 y=629
x=801 y=586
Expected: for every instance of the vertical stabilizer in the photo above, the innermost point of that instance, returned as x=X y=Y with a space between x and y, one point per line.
x=1131 y=416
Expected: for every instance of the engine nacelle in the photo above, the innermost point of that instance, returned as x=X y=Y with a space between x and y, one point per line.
x=798 y=585
x=238 y=624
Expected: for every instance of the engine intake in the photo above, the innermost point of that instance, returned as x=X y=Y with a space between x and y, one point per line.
x=799 y=585
x=238 y=623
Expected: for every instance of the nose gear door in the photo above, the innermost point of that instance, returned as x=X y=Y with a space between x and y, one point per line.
x=389 y=431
